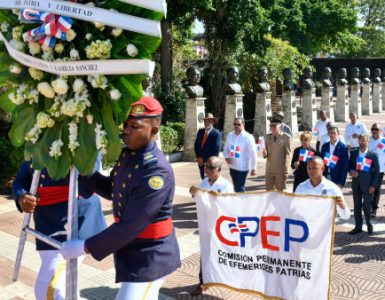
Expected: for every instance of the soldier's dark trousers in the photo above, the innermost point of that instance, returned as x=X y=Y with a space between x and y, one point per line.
x=362 y=200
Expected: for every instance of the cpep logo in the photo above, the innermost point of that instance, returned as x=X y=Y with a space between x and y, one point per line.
x=233 y=231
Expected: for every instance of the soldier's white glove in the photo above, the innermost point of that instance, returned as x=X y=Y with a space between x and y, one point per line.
x=72 y=249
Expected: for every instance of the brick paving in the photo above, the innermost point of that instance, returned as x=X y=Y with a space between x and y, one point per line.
x=358 y=261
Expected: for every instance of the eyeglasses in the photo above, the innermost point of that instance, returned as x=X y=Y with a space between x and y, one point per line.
x=210 y=167
x=374 y=129
x=237 y=124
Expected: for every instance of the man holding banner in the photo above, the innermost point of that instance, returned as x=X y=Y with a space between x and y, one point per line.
x=364 y=168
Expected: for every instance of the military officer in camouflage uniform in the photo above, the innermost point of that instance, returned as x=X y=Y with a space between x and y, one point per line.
x=141 y=187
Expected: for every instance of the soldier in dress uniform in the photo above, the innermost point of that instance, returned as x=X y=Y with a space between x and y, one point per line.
x=49 y=208
x=141 y=187
x=277 y=154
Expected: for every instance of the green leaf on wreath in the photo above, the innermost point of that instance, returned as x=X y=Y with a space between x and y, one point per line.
x=5 y=103
x=146 y=45
x=23 y=121
x=114 y=146
x=85 y=155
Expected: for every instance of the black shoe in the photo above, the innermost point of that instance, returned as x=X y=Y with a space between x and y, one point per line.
x=370 y=228
x=374 y=213
x=199 y=290
x=355 y=230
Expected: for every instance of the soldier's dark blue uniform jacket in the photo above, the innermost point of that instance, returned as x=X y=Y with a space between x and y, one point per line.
x=141 y=187
x=50 y=219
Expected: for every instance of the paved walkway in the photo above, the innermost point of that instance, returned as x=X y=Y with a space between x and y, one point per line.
x=358 y=261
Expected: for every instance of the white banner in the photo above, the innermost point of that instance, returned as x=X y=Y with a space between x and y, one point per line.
x=83 y=67
x=272 y=244
x=155 y=5
x=87 y=13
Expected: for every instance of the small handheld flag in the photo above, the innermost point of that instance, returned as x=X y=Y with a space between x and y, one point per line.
x=315 y=131
x=261 y=143
x=305 y=155
x=330 y=160
x=381 y=145
x=235 y=151
x=363 y=164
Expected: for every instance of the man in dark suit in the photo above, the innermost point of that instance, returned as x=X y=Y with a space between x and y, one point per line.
x=364 y=168
x=207 y=143
x=339 y=172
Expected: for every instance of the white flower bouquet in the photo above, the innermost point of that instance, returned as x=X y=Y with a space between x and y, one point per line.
x=71 y=70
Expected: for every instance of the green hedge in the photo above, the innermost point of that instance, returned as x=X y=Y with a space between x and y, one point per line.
x=172 y=135
x=10 y=160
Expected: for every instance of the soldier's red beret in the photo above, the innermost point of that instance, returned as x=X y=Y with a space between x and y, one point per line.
x=146 y=107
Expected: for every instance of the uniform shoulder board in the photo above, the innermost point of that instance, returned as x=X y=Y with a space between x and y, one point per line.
x=149 y=159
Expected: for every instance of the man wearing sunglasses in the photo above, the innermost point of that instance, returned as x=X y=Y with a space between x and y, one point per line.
x=377 y=146
x=240 y=152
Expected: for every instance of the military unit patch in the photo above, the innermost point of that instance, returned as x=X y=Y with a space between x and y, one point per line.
x=138 y=109
x=156 y=182
x=149 y=159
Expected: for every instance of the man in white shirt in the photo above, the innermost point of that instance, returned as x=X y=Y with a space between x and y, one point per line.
x=325 y=138
x=317 y=184
x=240 y=152
x=352 y=131
x=320 y=125
x=376 y=146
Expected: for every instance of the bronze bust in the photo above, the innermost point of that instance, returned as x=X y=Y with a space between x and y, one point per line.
x=193 y=89
x=233 y=87
x=262 y=86
x=342 y=74
x=377 y=75
x=288 y=84
x=355 y=76
x=366 y=76
x=307 y=81
x=326 y=75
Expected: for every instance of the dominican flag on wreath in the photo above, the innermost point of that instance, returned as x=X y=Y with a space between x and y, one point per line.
x=381 y=145
x=330 y=160
x=305 y=155
x=235 y=151
x=315 y=131
x=363 y=164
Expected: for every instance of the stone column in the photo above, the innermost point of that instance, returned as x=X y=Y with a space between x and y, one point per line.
x=326 y=101
x=355 y=100
x=377 y=97
x=289 y=106
x=262 y=113
x=309 y=109
x=342 y=105
x=195 y=113
x=367 y=105
x=383 y=95
x=233 y=109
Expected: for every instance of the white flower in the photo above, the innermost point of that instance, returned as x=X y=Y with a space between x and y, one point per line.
x=18 y=45
x=46 y=48
x=36 y=74
x=59 y=48
x=60 y=86
x=90 y=4
x=99 y=26
x=74 y=54
x=24 y=93
x=99 y=49
x=4 y=27
x=17 y=32
x=43 y=120
x=54 y=150
x=34 y=48
x=132 y=50
x=15 y=68
x=33 y=96
x=90 y=118
x=55 y=109
x=101 y=139
x=16 y=12
x=98 y=81
x=74 y=107
x=46 y=89
x=115 y=94
x=116 y=32
x=33 y=134
x=73 y=136
x=47 y=56
x=78 y=86
x=88 y=36
x=70 y=35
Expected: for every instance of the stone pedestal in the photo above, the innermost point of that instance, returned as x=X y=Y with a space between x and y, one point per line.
x=326 y=101
x=233 y=109
x=355 y=100
x=262 y=113
x=309 y=109
x=367 y=104
x=342 y=104
x=289 y=106
x=377 y=97
x=195 y=114
x=383 y=95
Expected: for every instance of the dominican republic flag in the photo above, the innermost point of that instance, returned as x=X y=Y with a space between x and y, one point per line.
x=315 y=131
x=305 y=155
x=381 y=145
x=363 y=164
x=330 y=160
x=261 y=143
x=235 y=151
